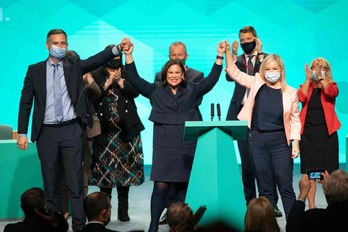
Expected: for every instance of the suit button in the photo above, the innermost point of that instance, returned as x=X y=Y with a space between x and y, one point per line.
x=101 y=114
x=126 y=101
x=126 y=111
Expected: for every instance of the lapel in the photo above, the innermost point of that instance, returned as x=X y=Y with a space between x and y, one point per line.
x=67 y=67
x=286 y=95
x=42 y=79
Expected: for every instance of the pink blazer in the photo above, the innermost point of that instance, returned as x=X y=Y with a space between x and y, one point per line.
x=292 y=123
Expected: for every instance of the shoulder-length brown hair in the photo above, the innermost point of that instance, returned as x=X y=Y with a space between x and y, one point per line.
x=165 y=68
x=260 y=216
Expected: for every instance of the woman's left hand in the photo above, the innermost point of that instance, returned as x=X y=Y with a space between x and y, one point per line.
x=295 y=152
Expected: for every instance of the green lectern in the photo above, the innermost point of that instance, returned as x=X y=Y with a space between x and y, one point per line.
x=215 y=179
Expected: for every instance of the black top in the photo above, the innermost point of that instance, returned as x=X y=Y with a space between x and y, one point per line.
x=315 y=112
x=268 y=110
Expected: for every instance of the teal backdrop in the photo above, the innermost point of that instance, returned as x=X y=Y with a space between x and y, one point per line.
x=297 y=30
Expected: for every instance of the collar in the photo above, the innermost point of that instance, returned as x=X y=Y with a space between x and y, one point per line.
x=50 y=62
x=95 y=222
x=254 y=54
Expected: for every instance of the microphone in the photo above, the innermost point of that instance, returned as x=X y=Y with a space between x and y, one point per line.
x=218 y=111
x=212 y=111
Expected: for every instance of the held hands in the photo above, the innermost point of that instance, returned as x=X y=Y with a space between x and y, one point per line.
x=128 y=48
x=124 y=41
x=222 y=47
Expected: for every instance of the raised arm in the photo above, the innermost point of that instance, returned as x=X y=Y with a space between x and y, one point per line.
x=234 y=73
x=144 y=87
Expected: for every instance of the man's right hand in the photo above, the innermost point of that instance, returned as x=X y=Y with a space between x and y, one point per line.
x=22 y=142
x=304 y=186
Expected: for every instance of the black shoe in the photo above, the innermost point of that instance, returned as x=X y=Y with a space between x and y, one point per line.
x=277 y=212
x=163 y=220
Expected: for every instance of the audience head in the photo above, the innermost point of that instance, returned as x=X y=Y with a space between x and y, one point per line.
x=178 y=215
x=31 y=199
x=247 y=41
x=176 y=70
x=335 y=187
x=260 y=216
x=177 y=50
x=97 y=207
x=320 y=64
x=272 y=70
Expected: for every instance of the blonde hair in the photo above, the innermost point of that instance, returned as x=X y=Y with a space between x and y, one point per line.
x=324 y=63
x=269 y=59
x=260 y=216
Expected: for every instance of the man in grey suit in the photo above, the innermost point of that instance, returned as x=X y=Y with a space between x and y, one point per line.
x=177 y=50
x=61 y=110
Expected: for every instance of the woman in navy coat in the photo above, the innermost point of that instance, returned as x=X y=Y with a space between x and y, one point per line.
x=173 y=102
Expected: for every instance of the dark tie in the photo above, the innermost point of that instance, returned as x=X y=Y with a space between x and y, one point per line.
x=58 y=105
x=250 y=68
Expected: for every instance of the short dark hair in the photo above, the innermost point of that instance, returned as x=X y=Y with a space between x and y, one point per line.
x=179 y=214
x=94 y=203
x=31 y=199
x=165 y=68
x=55 y=32
x=248 y=29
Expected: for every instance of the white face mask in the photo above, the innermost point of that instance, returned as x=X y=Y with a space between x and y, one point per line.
x=314 y=75
x=272 y=77
x=57 y=52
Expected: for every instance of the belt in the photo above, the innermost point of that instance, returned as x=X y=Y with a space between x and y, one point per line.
x=62 y=124
x=269 y=131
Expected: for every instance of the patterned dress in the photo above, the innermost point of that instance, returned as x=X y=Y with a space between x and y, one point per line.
x=114 y=162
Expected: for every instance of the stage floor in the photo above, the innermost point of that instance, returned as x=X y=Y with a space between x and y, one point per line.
x=139 y=206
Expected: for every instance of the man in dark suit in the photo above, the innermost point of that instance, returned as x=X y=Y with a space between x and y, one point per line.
x=333 y=218
x=61 y=110
x=97 y=208
x=177 y=50
x=37 y=218
x=249 y=62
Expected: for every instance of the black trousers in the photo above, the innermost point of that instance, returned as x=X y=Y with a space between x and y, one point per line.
x=65 y=144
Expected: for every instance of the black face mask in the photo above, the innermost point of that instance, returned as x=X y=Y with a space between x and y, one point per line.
x=114 y=64
x=248 y=47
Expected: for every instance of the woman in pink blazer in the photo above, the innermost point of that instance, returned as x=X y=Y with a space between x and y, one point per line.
x=274 y=125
